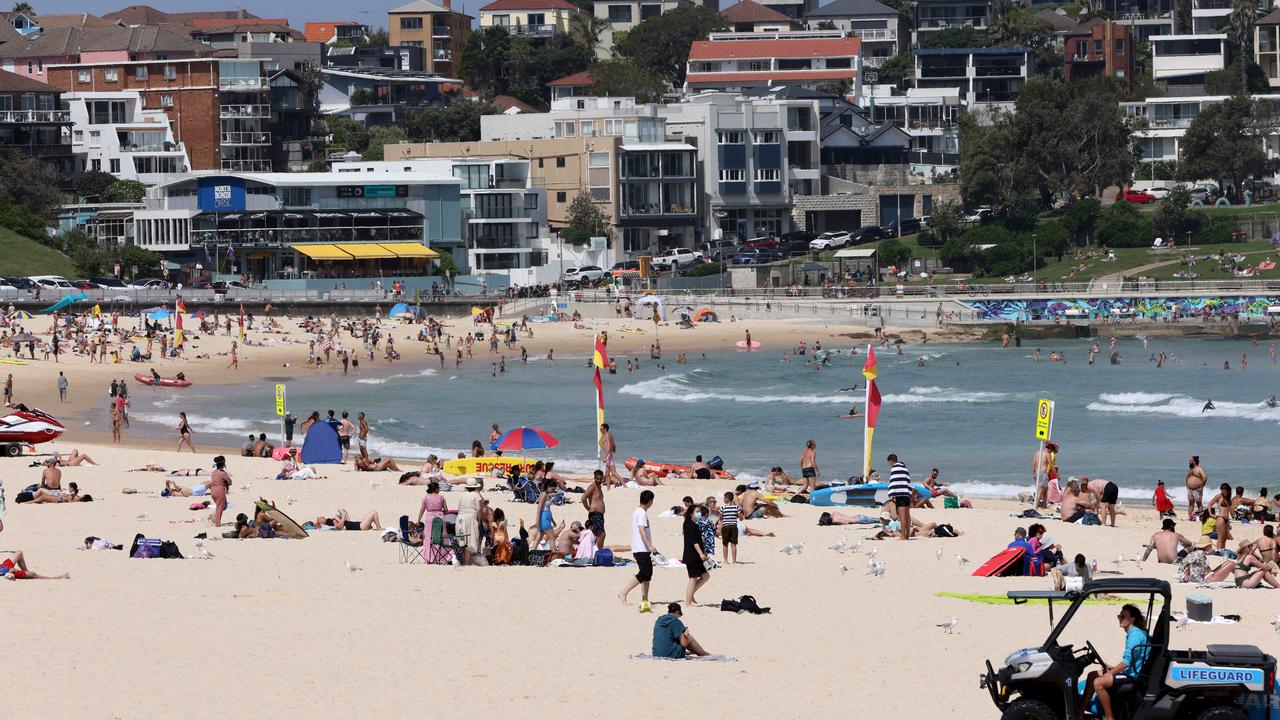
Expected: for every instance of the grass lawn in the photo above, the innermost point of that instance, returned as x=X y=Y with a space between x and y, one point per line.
x=23 y=256
x=1127 y=258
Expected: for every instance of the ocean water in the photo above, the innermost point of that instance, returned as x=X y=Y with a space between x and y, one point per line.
x=969 y=411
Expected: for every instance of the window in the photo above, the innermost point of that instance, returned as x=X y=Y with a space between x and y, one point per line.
x=598 y=160
x=708 y=66
x=733 y=137
x=111 y=74
x=613 y=127
x=95 y=164
x=31 y=67
x=536 y=19
x=411 y=23
x=6 y=102
x=839 y=63
x=140 y=72
x=1082 y=48
x=562 y=196
x=560 y=161
x=531 y=201
x=753 y=66
x=1097 y=47
x=170 y=72
x=296 y=196
x=567 y=129
x=795 y=64
x=733 y=176
x=166 y=101
x=540 y=163
x=28 y=102
x=46 y=102
x=650 y=10
x=620 y=13
x=588 y=128
x=768 y=175
x=766 y=137
x=115 y=166
x=1119 y=47
x=77 y=136
x=502 y=20
x=84 y=76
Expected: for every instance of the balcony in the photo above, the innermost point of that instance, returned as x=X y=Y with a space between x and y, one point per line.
x=495 y=213
x=169 y=147
x=937 y=23
x=51 y=150
x=247 y=165
x=244 y=111
x=441 y=54
x=1211 y=5
x=242 y=84
x=488 y=242
x=1169 y=123
x=31 y=117
x=656 y=210
x=997 y=71
x=874 y=34
x=246 y=138
x=532 y=30
x=942 y=71
x=441 y=31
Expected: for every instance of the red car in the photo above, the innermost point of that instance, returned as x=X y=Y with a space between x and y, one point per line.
x=1137 y=197
x=761 y=243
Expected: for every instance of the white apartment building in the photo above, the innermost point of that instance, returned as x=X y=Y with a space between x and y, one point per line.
x=1187 y=57
x=1168 y=119
x=622 y=15
x=112 y=132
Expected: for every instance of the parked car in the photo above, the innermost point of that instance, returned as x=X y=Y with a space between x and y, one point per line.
x=1137 y=197
x=675 y=258
x=221 y=286
x=760 y=242
x=797 y=246
x=54 y=282
x=6 y=285
x=586 y=273
x=1159 y=192
x=20 y=282
x=626 y=267
x=756 y=256
x=979 y=214
x=906 y=226
x=866 y=234
x=109 y=282
x=149 y=284
x=718 y=250
x=85 y=284
x=829 y=241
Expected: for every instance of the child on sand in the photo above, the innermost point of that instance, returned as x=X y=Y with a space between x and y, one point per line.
x=1161 y=500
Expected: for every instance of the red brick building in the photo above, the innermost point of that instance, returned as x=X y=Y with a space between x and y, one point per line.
x=1099 y=48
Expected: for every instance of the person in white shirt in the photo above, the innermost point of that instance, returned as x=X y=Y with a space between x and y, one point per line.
x=643 y=550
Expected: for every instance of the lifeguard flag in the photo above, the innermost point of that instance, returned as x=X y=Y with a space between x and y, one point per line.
x=599 y=405
x=869 y=429
x=182 y=306
x=869 y=368
x=242 y=322
x=177 y=329
x=601 y=357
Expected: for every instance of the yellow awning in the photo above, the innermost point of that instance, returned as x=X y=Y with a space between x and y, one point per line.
x=410 y=250
x=365 y=251
x=321 y=252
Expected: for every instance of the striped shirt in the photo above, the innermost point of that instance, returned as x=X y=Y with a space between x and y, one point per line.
x=899 y=480
x=729 y=515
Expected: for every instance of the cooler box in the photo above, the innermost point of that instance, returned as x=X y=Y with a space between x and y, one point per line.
x=1200 y=608
x=951 y=503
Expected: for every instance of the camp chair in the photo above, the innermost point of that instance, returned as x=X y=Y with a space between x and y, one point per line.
x=443 y=547
x=410 y=550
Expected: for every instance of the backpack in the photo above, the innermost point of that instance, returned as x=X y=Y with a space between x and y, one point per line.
x=556 y=499
x=944 y=530
x=732 y=606
x=748 y=604
x=824 y=519
x=169 y=550
x=604 y=558
x=1090 y=519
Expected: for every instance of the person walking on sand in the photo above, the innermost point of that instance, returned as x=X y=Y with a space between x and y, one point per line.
x=593 y=501
x=694 y=556
x=809 y=466
x=62 y=387
x=235 y=357
x=184 y=433
x=219 y=486
x=900 y=493
x=1197 y=478
x=608 y=449
x=643 y=551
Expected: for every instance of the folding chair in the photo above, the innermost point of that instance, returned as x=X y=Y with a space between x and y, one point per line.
x=410 y=550
x=443 y=547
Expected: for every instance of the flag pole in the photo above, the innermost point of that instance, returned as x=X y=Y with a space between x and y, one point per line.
x=866 y=420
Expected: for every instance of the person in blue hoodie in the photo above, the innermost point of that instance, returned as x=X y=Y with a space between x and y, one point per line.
x=671 y=639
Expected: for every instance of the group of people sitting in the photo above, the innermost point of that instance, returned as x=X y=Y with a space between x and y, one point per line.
x=49 y=489
x=257 y=446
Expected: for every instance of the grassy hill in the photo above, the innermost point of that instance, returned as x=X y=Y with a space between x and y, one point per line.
x=23 y=256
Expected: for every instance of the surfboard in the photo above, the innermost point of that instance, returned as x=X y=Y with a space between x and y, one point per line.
x=850 y=417
x=14 y=362
x=1001 y=563
x=743 y=344
x=485 y=465
x=287 y=525
x=631 y=331
x=868 y=495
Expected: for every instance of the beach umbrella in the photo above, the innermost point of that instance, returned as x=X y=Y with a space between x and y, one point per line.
x=20 y=315
x=525 y=438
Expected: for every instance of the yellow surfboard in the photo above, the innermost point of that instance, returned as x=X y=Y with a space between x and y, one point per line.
x=485 y=465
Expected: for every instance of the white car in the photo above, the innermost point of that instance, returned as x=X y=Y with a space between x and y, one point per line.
x=676 y=258
x=55 y=282
x=829 y=241
x=1159 y=192
x=586 y=273
x=982 y=213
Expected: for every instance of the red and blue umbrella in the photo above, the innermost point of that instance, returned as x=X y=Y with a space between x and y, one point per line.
x=525 y=438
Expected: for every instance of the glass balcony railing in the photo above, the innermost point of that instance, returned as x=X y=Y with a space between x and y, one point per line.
x=441 y=31
x=34 y=116
x=245 y=111
x=246 y=138
x=242 y=83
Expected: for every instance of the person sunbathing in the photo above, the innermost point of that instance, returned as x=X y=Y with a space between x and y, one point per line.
x=184 y=472
x=376 y=464
x=150 y=467
x=76 y=459
x=44 y=495
x=173 y=489
x=14 y=567
x=839 y=518
x=343 y=521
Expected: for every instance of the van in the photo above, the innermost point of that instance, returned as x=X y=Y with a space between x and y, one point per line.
x=719 y=250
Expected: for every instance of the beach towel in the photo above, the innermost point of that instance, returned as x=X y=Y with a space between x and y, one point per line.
x=702 y=658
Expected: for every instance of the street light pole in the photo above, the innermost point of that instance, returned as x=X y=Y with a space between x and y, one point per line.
x=1035 y=257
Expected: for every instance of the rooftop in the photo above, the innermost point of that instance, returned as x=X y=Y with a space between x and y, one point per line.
x=578 y=79
x=15 y=83
x=1059 y=21
x=530 y=5
x=420 y=6
x=388 y=74
x=506 y=104
x=324 y=31
x=749 y=11
x=1014 y=50
x=330 y=177
x=70 y=41
x=852 y=8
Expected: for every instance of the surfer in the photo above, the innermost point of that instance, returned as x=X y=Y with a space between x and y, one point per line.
x=1272 y=402
x=1207 y=406
x=855 y=387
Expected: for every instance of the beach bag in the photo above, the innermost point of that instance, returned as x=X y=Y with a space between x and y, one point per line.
x=944 y=530
x=24 y=497
x=950 y=503
x=715 y=463
x=145 y=548
x=604 y=558
x=1090 y=519
x=538 y=558
x=169 y=550
x=732 y=606
x=824 y=519
x=502 y=553
x=748 y=604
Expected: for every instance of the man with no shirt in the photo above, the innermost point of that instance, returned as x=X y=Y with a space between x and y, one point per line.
x=753 y=504
x=1042 y=466
x=593 y=501
x=51 y=476
x=1197 y=478
x=1167 y=543
x=809 y=466
x=608 y=449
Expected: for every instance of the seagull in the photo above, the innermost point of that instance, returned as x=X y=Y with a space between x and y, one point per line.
x=1276 y=623
x=948 y=626
x=840 y=546
x=788 y=548
x=879 y=569
x=372 y=484
x=844 y=569
x=247 y=486
x=1182 y=622
x=351 y=567
x=872 y=552
x=199 y=543
x=291 y=499
x=855 y=547
x=204 y=553
x=798 y=547
x=1119 y=560
x=938 y=553
x=144 y=516
x=961 y=559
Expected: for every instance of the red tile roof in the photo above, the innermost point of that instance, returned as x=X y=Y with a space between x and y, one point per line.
x=749 y=11
x=530 y=5
x=506 y=102
x=579 y=79
x=324 y=31
x=767 y=77
x=13 y=83
x=760 y=49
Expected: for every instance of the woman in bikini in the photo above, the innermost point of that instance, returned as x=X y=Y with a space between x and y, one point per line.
x=44 y=495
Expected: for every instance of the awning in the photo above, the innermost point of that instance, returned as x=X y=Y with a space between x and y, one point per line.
x=855 y=253
x=321 y=252
x=365 y=251
x=410 y=250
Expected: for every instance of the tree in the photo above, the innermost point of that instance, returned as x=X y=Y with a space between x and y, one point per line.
x=660 y=45
x=484 y=58
x=986 y=173
x=146 y=261
x=380 y=135
x=348 y=134
x=459 y=121
x=1122 y=225
x=956 y=37
x=614 y=78
x=495 y=63
x=123 y=191
x=30 y=183
x=893 y=252
x=365 y=96
x=1227 y=80
x=586 y=220
x=1173 y=216
x=944 y=220
x=895 y=70
x=1244 y=13
x=378 y=37
x=310 y=82
x=1080 y=218
x=93 y=183
x=588 y=29
x=1228 y=140
x=25 y=8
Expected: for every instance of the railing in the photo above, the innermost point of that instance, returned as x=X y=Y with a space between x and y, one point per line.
x=494 y=213
x=439 y=54
x=655 y=209
x=977 y=23
x=35 y=116
x=441 y=31
x=152 y=148
x=997 y=70
x=498 y=243
x=873 y=61
x=1169 y=123
x=247 y=165
x=1211 y=5
x=924 y=157
x=242 y=84
x=246 y=138
x=245 y=111
x=943 y=71
x=532 y=30
x=875 y=33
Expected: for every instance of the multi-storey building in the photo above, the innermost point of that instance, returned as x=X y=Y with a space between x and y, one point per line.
x=1183 y=59
x=981 y=75
x=235 y=34
x=1266 y=46
x=733 y=61
x=623 y=15
x=439 y=29
x=931 y=117
x=219 y=109
x=34 y=122
x=1210 y=16
x=935 y=15
x=1099 y=48
x=533 y=18
x=657 y=197
x=882 y=29
x=345 y=32
x=1167 y=120
x=32 y=54
x=750 y=16
x=113 y=133
x=794 y=9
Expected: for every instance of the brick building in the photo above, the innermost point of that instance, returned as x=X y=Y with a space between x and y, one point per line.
x=1098 y=48
x=33 y=122
x=438 y=29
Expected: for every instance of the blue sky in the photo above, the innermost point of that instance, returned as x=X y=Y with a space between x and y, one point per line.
x=373 y=13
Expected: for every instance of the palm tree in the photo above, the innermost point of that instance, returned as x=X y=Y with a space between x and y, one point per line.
x=1244 y=13
x=25 y=8
x=588 y=28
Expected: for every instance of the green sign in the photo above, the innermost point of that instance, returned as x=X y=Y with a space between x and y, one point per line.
x=379 y=191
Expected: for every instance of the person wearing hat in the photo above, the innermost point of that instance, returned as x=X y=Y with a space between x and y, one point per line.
x=671 y=639
x=51 y=476
x=467 y=526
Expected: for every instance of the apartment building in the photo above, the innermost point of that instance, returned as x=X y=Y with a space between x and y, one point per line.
x=935 y=15
x=235 y=34
x=1211 y=16
x=112 y=132
x=1099 y=48
x=439 y=29
x=1167 y=120
x=1266 y=46
x=882 y=30
x=33 y=121
x=981 y=75
x=537 y=19
x=794 y=9
x=623 y=15
x=32 y=54
x=733 y=61
x=748 y=16
x=341 y=32
x=219 y=109
x=931 y=117
x=1183 y=59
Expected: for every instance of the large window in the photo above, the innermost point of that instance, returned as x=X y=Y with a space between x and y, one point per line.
x=650 y=10
x=731 y=137
x=766 y=137
x=733 y=176
x=411 y=23
x=107 y=112
x=620 y=13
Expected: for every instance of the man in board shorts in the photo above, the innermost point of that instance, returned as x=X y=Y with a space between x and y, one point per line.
x=14 y=567
x=643 y=551
x=1197 y=478
x=809 y=466
x=608 y=448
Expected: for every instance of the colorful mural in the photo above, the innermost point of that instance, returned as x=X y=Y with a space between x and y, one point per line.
x=1154 y=308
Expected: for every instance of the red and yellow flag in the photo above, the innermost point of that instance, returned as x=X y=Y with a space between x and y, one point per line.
x=601 y=357
x=177 y=329
x=182 y=306
x=869 y=368
x=599 y=405
x=872 y=409
x=241 y=322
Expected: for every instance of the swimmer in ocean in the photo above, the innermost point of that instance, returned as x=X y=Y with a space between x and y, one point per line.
x=1208 y=406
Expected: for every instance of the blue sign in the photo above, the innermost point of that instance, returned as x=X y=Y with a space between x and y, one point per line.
x=220 y=194
x=1201 y=674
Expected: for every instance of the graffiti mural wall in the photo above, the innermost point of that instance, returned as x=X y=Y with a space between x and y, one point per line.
x=1154 y=308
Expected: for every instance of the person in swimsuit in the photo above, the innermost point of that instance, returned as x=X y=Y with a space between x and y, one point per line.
x=173 y=489
x=43 y=496
x=608 y=448
x=343 y=521
x=593 y=501
x=809 y=466
x=219 y=486
x=184 y=433
x=1197 y=478
x=545 y=528
x=14 y=567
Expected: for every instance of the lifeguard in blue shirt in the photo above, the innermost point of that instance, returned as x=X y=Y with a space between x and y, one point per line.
x=1126 y=671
